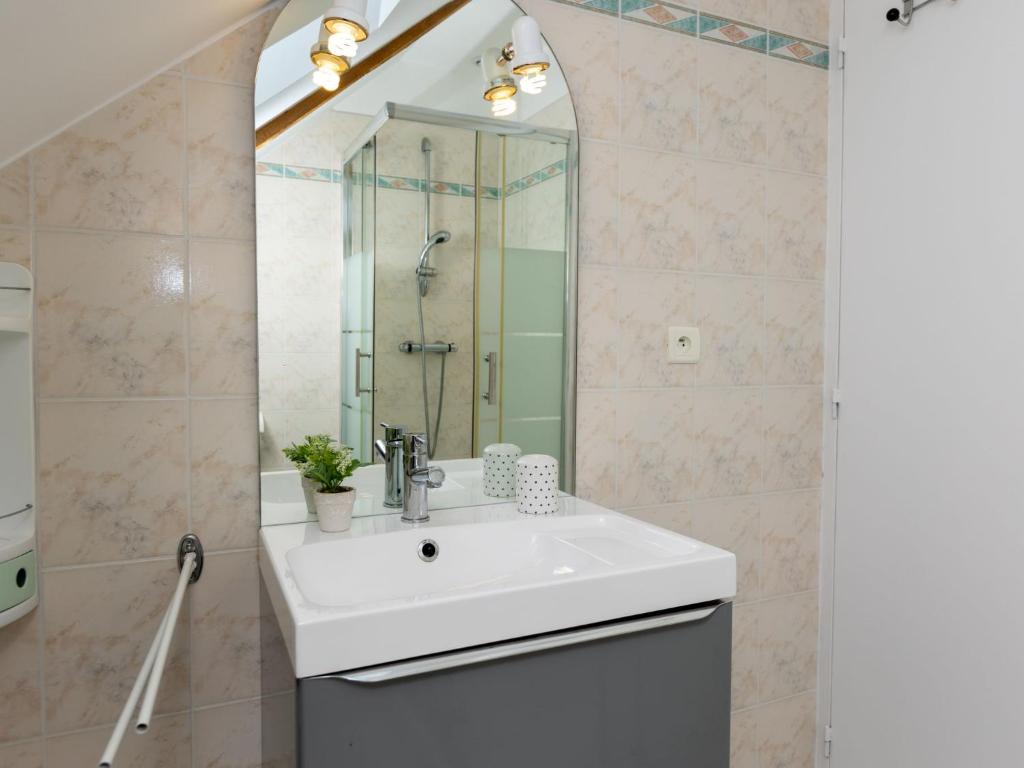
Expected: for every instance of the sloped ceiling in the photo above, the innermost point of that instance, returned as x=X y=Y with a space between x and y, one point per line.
x=61 y=59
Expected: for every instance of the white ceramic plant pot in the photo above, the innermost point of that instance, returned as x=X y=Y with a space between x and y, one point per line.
x=334 y=510
x=309 y=492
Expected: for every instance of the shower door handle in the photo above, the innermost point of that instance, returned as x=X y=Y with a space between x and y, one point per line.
x=358 y=363
x=491 y=396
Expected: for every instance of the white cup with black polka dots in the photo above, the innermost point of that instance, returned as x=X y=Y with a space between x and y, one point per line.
x=537 y=484
x=500 y=469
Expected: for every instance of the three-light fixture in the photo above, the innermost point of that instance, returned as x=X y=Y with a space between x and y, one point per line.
x=523 y=57
x=344 y=27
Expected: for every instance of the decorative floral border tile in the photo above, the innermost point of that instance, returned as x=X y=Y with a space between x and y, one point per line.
x=610 y=7
x=796 y=49
x=687 y=21
x=304 y=173
x=678 y=18
x=533 y=179
x=733 y=33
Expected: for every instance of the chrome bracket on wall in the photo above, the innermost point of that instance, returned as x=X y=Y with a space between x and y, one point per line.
x=905 y=16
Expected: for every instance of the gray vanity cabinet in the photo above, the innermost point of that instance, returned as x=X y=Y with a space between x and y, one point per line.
x=640 y=699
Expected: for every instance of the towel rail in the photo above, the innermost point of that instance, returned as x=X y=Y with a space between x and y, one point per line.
x=190 y=564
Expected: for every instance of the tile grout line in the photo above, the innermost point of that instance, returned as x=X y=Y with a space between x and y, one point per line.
x=142 y=560
x=41 y=639
x=187 y=232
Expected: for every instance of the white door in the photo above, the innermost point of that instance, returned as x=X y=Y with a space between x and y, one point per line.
x=928 y=664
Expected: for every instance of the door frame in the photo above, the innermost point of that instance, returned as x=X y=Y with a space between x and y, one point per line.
x=831 y=379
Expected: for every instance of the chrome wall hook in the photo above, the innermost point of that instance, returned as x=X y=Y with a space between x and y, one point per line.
x=905 y=16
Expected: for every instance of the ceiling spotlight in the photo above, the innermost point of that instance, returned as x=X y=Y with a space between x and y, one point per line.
x=346 y=26
x=528 y=47
x=499 y=85
x=329 y=66
x=347 y=17
x=503 y=107
x=533 y=84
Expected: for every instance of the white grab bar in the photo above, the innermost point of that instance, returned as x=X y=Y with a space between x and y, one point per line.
x=190 y=562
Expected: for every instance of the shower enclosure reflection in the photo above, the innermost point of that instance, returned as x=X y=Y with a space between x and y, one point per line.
x=455 y=281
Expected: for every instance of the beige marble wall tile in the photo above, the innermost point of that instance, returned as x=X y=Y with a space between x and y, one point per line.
x=599 y=204
x=225 y=472
x=797 y=117
x=803 y=18
x=659 y=210
x=674 y=517
x=14 y=195
x=222 y=306
x=649 y=302
x=797 y=207
x=25 y=754
x=743 y=740
x=659 y=90
x=221 y=172
x=598 y=329
x=789 y=535
x=792 y=420
x=225 y=630
x=734 y=525
x=794 y=331
x=727 y=430
x=110 y=315
x=168 y=744
x=730 y=218
x=99 y=622
x=15 y=247
x=596 y=461
x=733 y=116
x=233 y=58
x=119 y=168
x=647 y=422
x=227 y=736
x=788 y=629
x=730 y=315
x=753 y=11
x=587 y=47
x=20 y=695
x=786 y=733
x=744 y=655
x=112 y=482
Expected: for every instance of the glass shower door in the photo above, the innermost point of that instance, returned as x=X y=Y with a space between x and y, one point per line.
x=357 y=303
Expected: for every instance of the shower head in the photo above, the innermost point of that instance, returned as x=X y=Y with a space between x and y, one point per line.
x=423 y=269
x=425 y=145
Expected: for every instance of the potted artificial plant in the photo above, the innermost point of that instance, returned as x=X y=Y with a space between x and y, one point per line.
x=299 y=456
x=329 y=466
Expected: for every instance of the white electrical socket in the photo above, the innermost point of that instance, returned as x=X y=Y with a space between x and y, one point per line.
x=683 y=344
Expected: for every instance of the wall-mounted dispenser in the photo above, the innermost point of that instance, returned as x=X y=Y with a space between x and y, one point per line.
x=18 y=593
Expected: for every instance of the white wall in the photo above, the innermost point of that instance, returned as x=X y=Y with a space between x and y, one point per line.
x=927 y=633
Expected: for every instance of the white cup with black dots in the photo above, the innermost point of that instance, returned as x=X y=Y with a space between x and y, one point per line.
x=500 y=469
x=537 y=484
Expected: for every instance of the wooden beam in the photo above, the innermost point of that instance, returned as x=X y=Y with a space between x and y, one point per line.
x=282 y=122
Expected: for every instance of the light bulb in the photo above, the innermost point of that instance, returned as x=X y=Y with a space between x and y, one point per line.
x=503 y=107
x=533 y=84
x=327 y=78
x=342 y=43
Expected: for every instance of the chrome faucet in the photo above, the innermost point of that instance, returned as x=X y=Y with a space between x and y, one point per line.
x=418 y=477
x=390 y=451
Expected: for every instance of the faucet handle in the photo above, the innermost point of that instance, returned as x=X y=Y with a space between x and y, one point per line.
x=392 y=432
x=433 y=477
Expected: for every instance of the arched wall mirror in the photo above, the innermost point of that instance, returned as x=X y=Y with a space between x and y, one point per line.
x=416 y=243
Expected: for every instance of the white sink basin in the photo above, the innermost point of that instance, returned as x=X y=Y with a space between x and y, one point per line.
x=365 y=597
